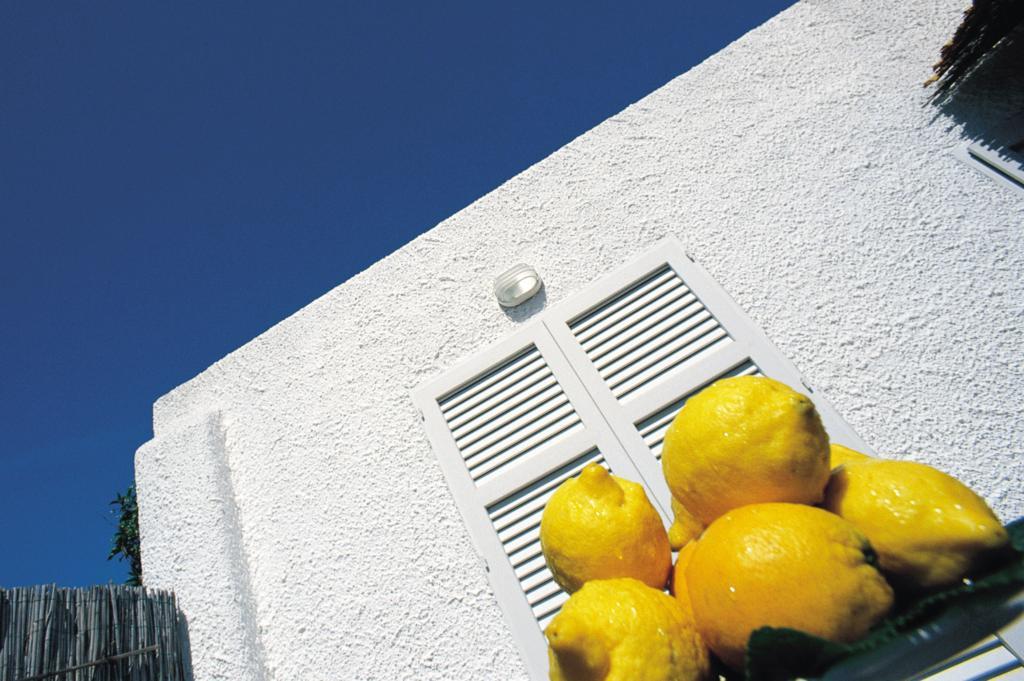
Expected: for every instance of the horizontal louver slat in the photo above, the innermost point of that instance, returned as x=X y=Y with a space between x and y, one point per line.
x=533 y=374
x=704 y=338
x=654 y=326
x=542 y=592
x=521 y=428
x=533 y=578
x=653 y=305
x=544 y=393
x=452 y=404
x=652 y=350
x=529 y=562
x=547 y=433
x=592 y=322
x=508 y=414
x=646 y=332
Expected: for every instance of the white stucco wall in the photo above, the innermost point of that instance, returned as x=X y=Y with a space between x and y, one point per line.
x=289 y=495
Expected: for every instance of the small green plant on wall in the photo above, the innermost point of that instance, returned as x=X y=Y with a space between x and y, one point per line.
x=125 y=545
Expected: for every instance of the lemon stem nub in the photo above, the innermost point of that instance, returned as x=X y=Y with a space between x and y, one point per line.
x=600 y=484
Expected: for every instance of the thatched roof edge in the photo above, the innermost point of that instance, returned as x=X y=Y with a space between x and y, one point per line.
x=986 y=24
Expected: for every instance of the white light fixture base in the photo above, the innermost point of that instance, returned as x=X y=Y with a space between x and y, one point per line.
x=517 y=285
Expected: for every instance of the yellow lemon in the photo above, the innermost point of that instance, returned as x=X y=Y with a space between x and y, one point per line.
x=783 y=565
x=623 y=630
x=599 y=526
x=745 y=440
x=928 y=528
x=684 y=528
x=840 y=455
x=679 y=588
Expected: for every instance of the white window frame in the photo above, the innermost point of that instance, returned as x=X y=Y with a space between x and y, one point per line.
x=475 y=498
x=994 y=156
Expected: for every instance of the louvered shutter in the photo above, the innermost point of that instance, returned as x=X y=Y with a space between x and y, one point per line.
x=987 y=660
x=508 y=427
x=1000 y=153
x=648 y=336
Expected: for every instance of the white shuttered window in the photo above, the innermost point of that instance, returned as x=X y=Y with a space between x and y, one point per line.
x=1000 y=153
x=508 y=427
x=596 y=378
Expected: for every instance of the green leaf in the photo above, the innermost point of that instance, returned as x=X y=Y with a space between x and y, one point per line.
x=777 y=654
x=126 y=544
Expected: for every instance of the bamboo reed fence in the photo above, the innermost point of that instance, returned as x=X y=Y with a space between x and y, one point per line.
x=102 y=633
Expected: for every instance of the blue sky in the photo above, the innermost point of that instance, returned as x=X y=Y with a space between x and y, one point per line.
x=177 y=177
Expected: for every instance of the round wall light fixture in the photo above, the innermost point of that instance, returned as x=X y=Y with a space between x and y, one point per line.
x=517 y=285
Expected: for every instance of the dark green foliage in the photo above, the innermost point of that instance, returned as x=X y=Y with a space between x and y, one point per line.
x=126 y=539
x=782 y=654
x=986 y=23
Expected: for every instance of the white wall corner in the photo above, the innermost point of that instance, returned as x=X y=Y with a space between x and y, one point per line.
x=186 y=499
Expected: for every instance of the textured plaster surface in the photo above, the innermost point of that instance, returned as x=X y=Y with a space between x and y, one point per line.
x=310 y=535
x=190 y=527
